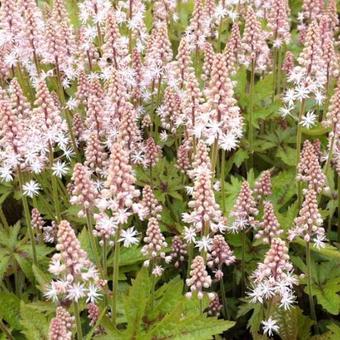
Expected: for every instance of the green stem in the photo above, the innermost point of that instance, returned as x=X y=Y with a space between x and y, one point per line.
x=243 y=271
x=28 y=218
x=92 y=240
x=3 y=218
x=105 y=259
x=309 y=286
x=6 y=331
x=190 y=256
x=251 y=116
x=279 y=71
x=115 y=278
x=338 y=236
x=330 y=154
x=54 y=187
x=222 y=180
x=78 y=321
x=298 y=148
x=224 y=301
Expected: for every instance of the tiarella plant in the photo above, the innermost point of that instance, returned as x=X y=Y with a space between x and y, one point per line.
x=169 y=169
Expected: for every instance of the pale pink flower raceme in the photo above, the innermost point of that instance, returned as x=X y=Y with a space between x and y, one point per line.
x=309 y=169
x=219 y=254
x=263 y=185
x=274 y=277
x=61 y=325
x=154 y=248
x=255 y=50
x=83 y=189
x=269 y=228
x=308 y=224
x=199 y=279
x=244 y=210
x=76 y=276
x=225 y=124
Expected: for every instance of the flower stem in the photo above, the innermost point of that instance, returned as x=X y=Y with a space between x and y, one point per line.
x=298 y=147
x=28 y=218
x=3 y=218
x=115 y=278
x=309 y=286
x=6 y=331
x=92 y=240
x=78 y=321
x=338 y=236
x=54 y=187
x=224 y=301
x=222 y=180
x=243 y=271
x=105 y=259
x=190 y=256
x=251 y=115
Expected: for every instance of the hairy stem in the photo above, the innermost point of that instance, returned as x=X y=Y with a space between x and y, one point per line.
x=298 y=148
x=78 y=321
x=92 y=240
x=28 y=218
x=224 y=301
x=54 y=187
x=222 y=180
x=309 y=285
x=115 y=278
x=251 y=115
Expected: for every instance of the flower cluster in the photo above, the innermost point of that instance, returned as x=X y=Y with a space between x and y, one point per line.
x=77 y=277
x=274 y=277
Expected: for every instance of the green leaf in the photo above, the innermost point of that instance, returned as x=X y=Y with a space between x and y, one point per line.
x=130 y=256
x=293 y=324
x=328 y=295
x=335 y=330
x=34 y=324
x=136 y=302
x=175 y=325
x=9 y=309
x=4 y=262
x=167 y=296
x=328 y=251
x=43 y=278
x=287 y=155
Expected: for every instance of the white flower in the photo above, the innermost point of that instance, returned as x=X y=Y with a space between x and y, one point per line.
x=189 y=234
x=68 y=153
x=319 y=241
x=270 y=326
x=76 y=292
x=301 y=92
x=163 y=136
x=56 y=267
x=289 y=97
x=228 y=141
x=72 y=103
x=189 y=190
x=256 y=294
x=31 y=188
x=204 y=244
x=319 y=97
x=128 y=237
x=6 y=173
x=287 y=300
x=157 y=271
x=285 y=111
x=59 y=169
x=121 y=216
x=308 y=120
x=51 y=293
x=92 y=294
